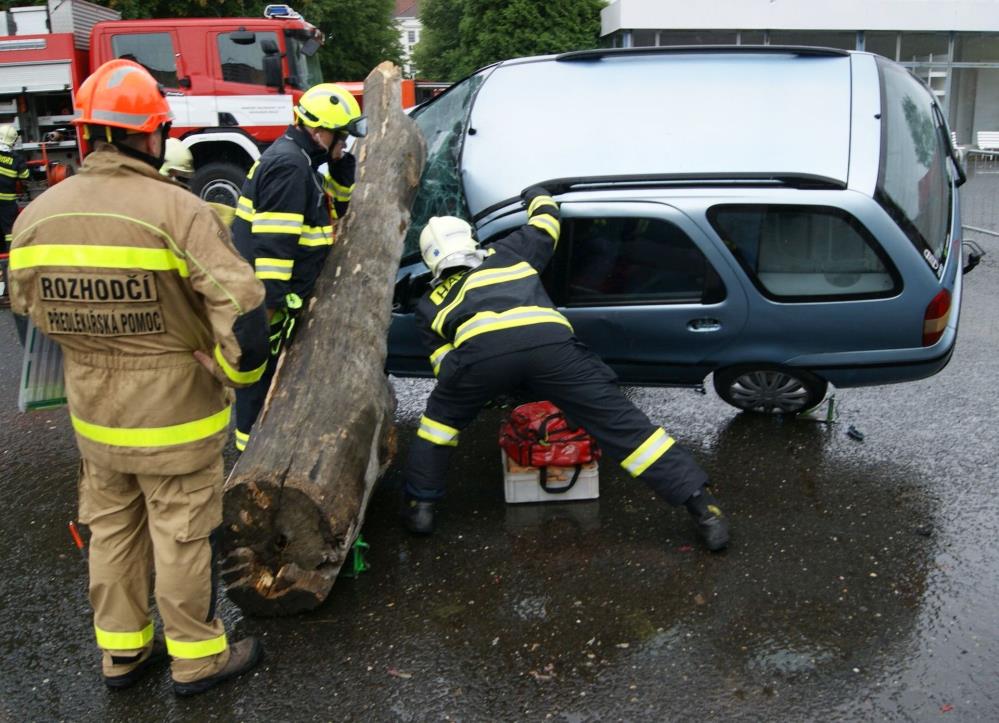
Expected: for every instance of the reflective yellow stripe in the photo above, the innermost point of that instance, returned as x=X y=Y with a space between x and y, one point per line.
x=540 y=201
x=124 y=641
x=242 y=438
x=438 y=356
x=277 y=222
x=253 y=168
x=478 y=279
x=487 y=321
x=101 y=257
x=8 y=196
x=244 y=209
x=338 y=191
x=200 y=649
x=153 y=436
x=23 y=174
x=236 y=375
x=648 y=452
x=437 y=433
x=316 y=236
x=279 y=269
x=9 y=172
x=547 y=223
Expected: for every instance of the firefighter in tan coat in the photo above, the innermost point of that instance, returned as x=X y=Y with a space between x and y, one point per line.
x=156 y=314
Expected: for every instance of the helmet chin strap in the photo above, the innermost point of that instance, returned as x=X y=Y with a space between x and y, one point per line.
x=154 y=161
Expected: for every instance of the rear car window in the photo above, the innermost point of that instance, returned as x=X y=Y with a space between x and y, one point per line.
x=913 y=184
x=805 y=253
x=635 y=261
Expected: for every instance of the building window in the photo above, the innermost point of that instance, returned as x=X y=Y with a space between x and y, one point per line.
x=841 y=40
x=697 y=37
x=882 y=43
x=976 y=48
x=153 y=51
x=924 y=48
x=411 y=37
x=643 y=38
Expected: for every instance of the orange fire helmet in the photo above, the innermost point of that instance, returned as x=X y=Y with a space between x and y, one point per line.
x=122 y=94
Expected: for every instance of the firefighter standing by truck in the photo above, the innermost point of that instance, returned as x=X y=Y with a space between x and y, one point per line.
x=284 y=218
x=13 y=168
x=490 y=329
x=156 y=313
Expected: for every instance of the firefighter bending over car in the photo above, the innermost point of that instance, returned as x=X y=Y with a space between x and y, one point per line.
x=491 y=329
x=13 y=168
x=284 y=218
x=156 y=313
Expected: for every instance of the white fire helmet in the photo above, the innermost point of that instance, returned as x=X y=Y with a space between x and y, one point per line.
x=8 y=136
x=447 y=242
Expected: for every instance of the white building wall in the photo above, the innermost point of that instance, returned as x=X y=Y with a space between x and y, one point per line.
x=407 y=26
x=966 y=15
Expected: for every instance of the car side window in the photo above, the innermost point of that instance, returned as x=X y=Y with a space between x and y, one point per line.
x=153 y=51
x=805 y=253
x=243 y=62
x=635 y=261
x=913 y=186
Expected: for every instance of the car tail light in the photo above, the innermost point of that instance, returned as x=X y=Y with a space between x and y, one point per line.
x=935 y=319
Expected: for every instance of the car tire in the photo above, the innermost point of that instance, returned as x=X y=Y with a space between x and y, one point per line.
x=219 y=182
x=769 y=389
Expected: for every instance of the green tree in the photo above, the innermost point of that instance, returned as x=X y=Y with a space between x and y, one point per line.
x=462 y=35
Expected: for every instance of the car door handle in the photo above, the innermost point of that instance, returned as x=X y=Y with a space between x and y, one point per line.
x=700 y=325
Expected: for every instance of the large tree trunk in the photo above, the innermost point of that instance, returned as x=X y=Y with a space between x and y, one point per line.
x=296 y=499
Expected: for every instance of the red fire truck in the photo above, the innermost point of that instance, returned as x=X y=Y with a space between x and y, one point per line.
x=231 y=82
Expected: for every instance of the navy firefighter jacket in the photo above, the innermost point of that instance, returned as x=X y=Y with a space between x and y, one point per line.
x=500 y=306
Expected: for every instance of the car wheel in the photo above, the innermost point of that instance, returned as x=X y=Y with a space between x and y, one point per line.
x=769 y=390
x=218 y=182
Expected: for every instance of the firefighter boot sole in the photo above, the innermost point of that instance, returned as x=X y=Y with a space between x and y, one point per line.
x=157 y=655
x=713 y=531
x=243 y=656
x=419 y=516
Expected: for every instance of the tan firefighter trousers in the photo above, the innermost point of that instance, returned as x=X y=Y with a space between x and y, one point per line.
x=140 y=522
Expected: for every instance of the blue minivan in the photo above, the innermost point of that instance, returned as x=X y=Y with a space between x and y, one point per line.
x=781 y=218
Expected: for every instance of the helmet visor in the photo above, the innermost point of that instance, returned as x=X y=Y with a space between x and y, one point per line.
x=358 y=127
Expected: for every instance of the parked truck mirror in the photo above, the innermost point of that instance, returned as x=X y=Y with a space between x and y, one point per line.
x=243 y=37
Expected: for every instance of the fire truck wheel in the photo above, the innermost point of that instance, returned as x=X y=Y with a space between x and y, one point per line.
x=219 y=182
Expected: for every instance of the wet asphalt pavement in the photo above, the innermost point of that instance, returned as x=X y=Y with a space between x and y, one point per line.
x=861 y=582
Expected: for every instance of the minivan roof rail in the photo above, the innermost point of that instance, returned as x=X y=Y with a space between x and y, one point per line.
x=556 y=186
x=601 y=53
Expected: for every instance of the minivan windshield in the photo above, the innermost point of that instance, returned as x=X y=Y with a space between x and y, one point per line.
x=442 y=122
x=304 y=61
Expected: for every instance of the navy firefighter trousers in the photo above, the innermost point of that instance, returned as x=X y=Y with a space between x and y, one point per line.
x=578 y=382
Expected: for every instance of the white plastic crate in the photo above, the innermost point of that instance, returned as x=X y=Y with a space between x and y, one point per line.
x=523 y=484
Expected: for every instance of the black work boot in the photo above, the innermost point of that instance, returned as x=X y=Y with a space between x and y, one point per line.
x=418 y=515
x=243 y=656
x=711 y=523
x=157 y=653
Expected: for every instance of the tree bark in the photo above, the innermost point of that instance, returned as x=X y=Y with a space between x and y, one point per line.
x=295 y=501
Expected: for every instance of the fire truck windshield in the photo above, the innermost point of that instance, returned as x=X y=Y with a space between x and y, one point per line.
x=304 y=59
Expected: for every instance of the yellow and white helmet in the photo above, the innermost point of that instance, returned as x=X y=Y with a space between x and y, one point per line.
x=332 y=107
x=177 y=159
x=447 y=242
x=8 y=135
